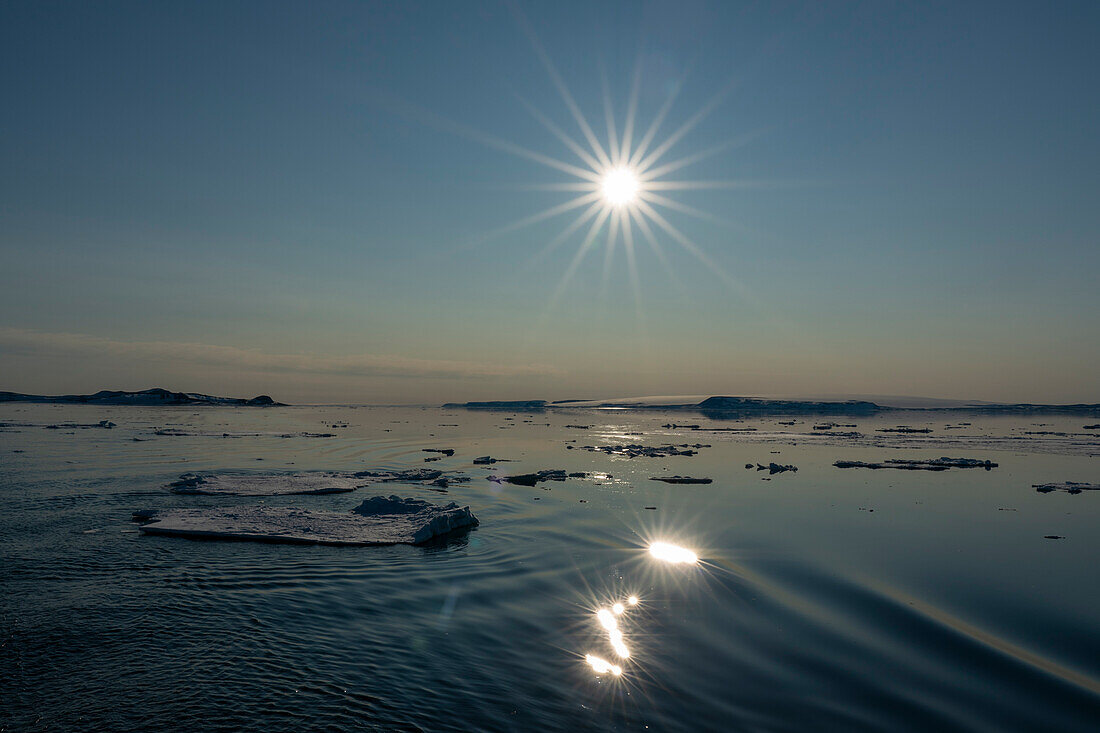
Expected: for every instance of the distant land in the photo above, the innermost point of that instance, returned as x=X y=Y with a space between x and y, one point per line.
x=721 y=407
x=145 y=398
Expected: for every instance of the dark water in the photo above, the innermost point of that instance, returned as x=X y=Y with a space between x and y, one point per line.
x=944 y=608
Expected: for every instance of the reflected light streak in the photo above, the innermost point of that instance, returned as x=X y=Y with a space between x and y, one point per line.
x=607 y=620
x=674 y=554
x=616 y=638
x=602 y=666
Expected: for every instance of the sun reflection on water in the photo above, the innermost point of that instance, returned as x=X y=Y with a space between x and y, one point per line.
x=602 y=666
x=608 y=619
x=614 y=616
x=673 y=553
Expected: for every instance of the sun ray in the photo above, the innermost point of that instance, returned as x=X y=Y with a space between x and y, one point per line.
x=560 y=134
x=632 y=108
x=656 y=198
x=704 y=185
x=560 y=85
x=685 y=128
x=571 y=186
x=562 y=236
x=686 y=243
x=647 y=138
x=632 y=271
x=523 y=152
x=647 y=232
x=609 y=118
x=410 y=111
x=589 y=238
x=609 y=250
x=653 y=173
x=542 y=215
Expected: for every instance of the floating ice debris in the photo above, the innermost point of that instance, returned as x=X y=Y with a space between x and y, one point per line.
x=377 y=521
x=904 y=429
x=680 y=479
x=413 y=475
x=107 y=424
x=931 y=464
x=774 y=468
x=1070 y=487
x=635 y=450
x=530 y=479
x=267 y=485
x=673 y=553
x=727 y=430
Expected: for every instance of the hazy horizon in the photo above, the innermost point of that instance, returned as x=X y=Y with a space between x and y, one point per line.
x=334 y=204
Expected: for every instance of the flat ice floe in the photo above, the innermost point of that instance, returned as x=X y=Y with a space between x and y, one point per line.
x=267 y=485
x=1071 y=487
x=318 y=482
x=929 y=464
x=377 y=521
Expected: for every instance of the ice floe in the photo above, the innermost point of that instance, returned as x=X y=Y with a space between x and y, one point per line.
x=1070 y=487
x=929 y=464
x=379 y=520
x=266 y=485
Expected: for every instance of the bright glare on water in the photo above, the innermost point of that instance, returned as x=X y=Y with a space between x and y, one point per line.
x=673 y=553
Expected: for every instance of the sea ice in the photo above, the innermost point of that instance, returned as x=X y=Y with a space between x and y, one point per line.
x=379 y=520
x=266 y=485
x=913 y=464
x=1072 y=487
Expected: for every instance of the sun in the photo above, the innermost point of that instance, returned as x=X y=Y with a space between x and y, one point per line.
x=620 y=181
x=619 y=186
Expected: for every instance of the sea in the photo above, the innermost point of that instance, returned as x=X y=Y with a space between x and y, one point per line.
x=816 y=599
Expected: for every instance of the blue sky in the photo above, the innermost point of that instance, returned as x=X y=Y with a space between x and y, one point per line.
x=296 y=198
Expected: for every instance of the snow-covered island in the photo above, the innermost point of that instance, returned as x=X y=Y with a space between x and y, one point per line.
x=725 y=407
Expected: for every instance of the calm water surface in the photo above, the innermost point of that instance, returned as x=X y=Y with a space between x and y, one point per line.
x=825 y=599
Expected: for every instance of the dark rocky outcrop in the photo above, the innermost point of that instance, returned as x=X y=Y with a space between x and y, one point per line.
x=505 y=405
x=146 y=397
